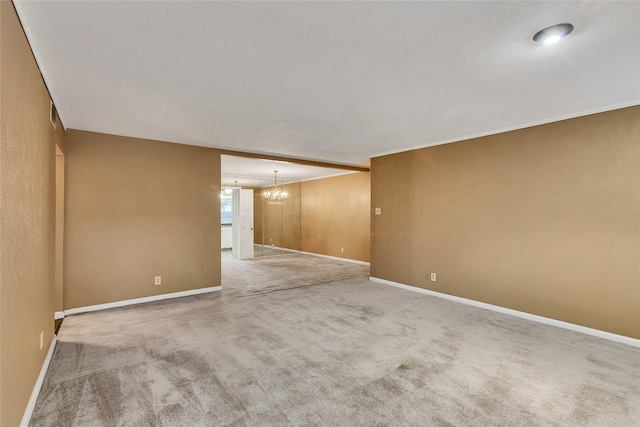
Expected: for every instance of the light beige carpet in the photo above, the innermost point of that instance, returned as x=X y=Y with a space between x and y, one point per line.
x=301 y=340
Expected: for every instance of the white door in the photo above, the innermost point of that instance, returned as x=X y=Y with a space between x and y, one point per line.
x=242 y=224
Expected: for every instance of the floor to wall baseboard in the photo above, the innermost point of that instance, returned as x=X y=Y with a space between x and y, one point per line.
x=277 y=248
x=540 y=319
x=354 y=261
x=139 y=300
x=38 y=385
x=294 y=251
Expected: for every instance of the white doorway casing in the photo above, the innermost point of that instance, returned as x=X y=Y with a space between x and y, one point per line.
x=242 y=213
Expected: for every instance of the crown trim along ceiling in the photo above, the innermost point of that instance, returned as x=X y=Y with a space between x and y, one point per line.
x=337 y=82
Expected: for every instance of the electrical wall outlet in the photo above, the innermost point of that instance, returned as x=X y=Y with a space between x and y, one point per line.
x=342 y=250
x=41 y=339
x=378 y=211
x=433 y=277
x=158 y=280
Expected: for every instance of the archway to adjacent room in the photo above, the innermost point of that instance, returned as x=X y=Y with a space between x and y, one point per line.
x=326 y=212
x=274 y=227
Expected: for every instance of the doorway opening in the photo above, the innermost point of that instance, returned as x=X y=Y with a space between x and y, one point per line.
x=251 y=227
x=277 y=227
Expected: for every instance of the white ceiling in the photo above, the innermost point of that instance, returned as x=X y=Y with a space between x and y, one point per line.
x=259 y=173
x=330 y=81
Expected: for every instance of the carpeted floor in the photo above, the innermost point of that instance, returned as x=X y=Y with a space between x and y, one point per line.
x=301 y=340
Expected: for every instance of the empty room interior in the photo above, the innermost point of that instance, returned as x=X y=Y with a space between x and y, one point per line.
x=320 y=213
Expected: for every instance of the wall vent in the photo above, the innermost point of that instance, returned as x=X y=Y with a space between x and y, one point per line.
x=53 y=115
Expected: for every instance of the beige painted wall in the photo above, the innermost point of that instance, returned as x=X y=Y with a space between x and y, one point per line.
x=321 y=216
x=278 y=225
x=335 y=215
x=59 y=251
x=257 y=216
x=27 y=218
x=545 y=220
x=291 y=217
x=136 y=209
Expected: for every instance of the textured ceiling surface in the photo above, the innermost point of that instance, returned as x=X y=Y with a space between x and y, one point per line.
x=259 y=173
x=330 y=81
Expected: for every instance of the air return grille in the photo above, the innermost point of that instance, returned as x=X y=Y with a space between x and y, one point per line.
x=53 y=115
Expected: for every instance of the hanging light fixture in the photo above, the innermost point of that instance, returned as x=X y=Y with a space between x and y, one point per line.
x=274 y=195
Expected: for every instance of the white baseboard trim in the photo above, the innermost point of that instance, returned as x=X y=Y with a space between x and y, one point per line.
x=58 y=315
x=354 y=261
x=38 y=385
x=278 y=248
x=140 y=300
x=521 y=314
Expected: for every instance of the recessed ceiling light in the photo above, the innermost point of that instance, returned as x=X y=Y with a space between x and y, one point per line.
x=552 y=34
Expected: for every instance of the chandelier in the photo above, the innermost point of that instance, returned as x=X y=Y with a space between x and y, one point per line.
x=274 y=195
